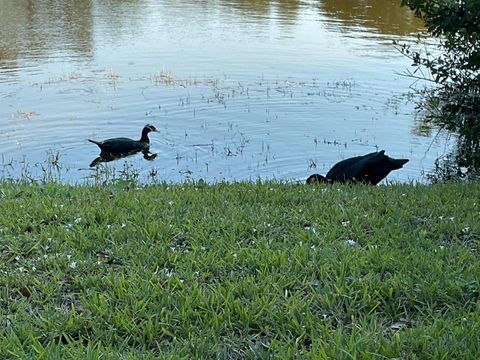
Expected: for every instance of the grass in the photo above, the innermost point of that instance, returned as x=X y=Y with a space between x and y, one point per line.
x=243 y=271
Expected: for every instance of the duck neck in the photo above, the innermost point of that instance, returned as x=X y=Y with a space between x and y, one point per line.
x=144 y=137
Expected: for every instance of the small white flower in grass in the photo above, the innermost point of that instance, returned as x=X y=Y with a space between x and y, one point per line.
x=403 y=194
x=196 y=273
x=451 y=218
x=441 y=247
x=17 y=257
x=168 y=272
x=254 y=230
x=345 y=223
x=68 y=227
x=203 y=248
x=440 y=217
x=313 y=247
x=77 y=220
x=34 y=268
x=351 y=242
x=45 y=256
x=170 y=203
x=109 y=226
x=123 y=225
x=324 y=190
x=235 y=255
x=396 y=326
x=466 y=229
x=69 y=257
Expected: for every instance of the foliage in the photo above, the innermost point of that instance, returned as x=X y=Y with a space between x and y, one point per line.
x=457 y=24
x=454 y=104
x=239 y=271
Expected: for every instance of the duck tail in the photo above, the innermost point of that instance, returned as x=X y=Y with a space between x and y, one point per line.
x=398 y=163
x=95 y=142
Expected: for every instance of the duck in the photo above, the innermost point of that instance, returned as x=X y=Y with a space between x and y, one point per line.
x=367 y=169
x=123 y=145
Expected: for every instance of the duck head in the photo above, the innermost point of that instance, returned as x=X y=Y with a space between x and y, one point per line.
x=317 y=179
x=149 y=127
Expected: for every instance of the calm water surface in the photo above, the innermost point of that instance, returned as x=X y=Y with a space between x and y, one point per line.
x=239 y=90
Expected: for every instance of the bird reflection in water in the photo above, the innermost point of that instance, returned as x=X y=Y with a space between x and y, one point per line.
x=107 y=157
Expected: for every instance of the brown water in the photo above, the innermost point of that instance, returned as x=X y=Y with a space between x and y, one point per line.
x=239 y=90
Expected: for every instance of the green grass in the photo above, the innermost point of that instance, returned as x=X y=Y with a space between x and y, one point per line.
x=239 y=271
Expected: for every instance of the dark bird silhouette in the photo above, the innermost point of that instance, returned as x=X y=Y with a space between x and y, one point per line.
x=368 y=169
x=116 y=148
x=122 y=145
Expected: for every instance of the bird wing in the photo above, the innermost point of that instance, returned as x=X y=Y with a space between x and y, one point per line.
x=354 y=169
x=121 y=145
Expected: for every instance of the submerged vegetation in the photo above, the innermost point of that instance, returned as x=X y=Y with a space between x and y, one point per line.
x=247 y=270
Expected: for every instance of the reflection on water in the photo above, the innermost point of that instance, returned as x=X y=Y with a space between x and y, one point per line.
x=33 y=30
x=384 y=16
x=239 y=89
x=105 y=157
x=36 y=29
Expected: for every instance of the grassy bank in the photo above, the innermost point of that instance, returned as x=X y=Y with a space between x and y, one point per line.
x=239 y=271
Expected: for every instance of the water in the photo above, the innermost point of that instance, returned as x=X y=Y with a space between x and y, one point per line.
x=239 y=90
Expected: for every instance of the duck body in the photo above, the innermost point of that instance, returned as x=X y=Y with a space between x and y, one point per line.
x=368 y=169
x=123 y=145
x=117 y=148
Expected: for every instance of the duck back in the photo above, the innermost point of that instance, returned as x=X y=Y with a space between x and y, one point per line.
x=370 y=168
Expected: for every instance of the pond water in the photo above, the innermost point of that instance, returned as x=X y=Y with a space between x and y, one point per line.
x=239 y=90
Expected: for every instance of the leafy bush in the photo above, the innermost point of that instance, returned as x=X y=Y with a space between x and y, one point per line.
x=453 y=105
x=457 y=25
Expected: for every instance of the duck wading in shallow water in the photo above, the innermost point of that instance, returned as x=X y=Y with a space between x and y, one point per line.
x=116 y=148
x=367 y=169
